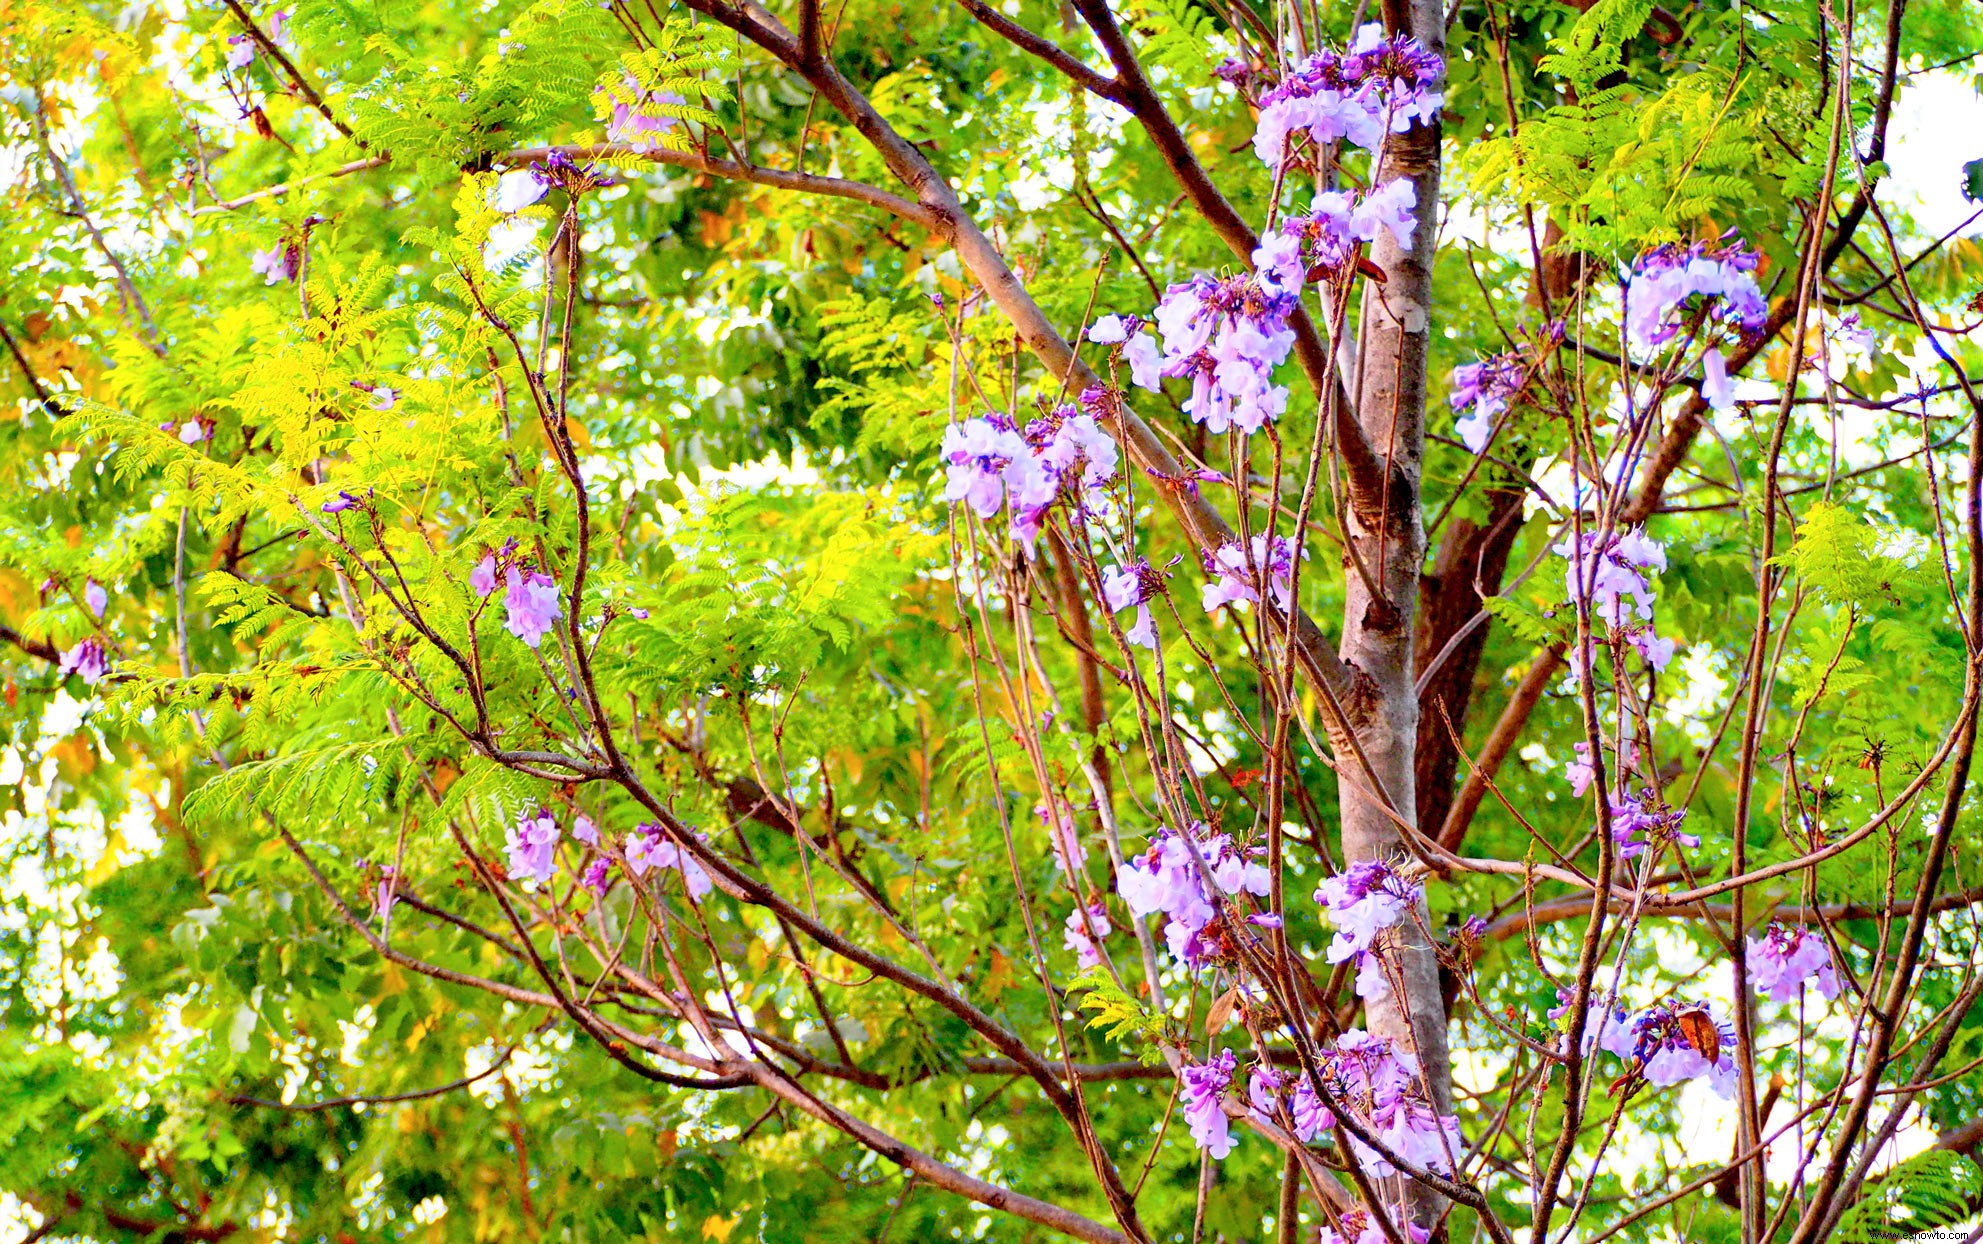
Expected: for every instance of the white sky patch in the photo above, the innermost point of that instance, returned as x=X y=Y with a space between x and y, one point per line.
x=1937 y=127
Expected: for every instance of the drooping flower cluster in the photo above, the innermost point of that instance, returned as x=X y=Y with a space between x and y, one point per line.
x=1718 y=281
x=640 y=120
x=1483 y=390
x=1363 y=900
x=1645 y=820
x=1227 y=337
x=1202 y=1085
x=1066 y=838
x=1138 y=348
x=649 y=847
x=1270 y=1092
x=1666 y=280
x=1131 y=587
x=1382 y=84
x=1382 y=1084
x=1322 y=245
x=1167 y=879
x=87 y=661
x=989 y=463
x=1612 y=569
x=1076 y=933
x=530 y=598
x=1784 y=960
x=533 y=847
x=1233 y=582
x=279 y=263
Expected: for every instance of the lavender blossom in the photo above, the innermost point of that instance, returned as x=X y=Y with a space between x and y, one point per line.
x=95 y=598
x=988 y=463
x=1784 y=960
x=340 y=503
x=1202 y=1085
x=1167 y=879
x=649 y=847
x=531 y=605
x=1125 y=587
x=517 y=189
x=1381 y=85
x=1227 y=337
x=277 y=264
x=87 y=661
x=1075 y=935
x=1665 y=281
x=1363 y=900
x=1234 y=584
x=1666 y=1035
x=532 y=847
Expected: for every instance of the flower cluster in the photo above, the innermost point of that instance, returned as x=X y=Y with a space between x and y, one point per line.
x=1382 y=84
x=1611 y=569
x=1076 y=934
x=1131 y=587
x=1166 y=879
x=1648 y=815
x=530 y=597
x=638 y=121
x=1679 y=1041
x=533 y=847
x=1066 y=837
x=1382 y=1083
x=1363 y=900
x=1203 y=1083
x=1666 y=279
x=1227 y=337
x=1361 y=1227
x=989 y=463
x=87 y=661
x=1233 y=581
x=1322 y=245
x=241 y=48
x=1137 y=348
x=1782 y=960
x=1269 y=1093
x=1483 y=390
x=649 y=847
x=279 y=263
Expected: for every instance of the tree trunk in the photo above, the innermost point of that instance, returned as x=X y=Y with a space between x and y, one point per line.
x=1390 y=542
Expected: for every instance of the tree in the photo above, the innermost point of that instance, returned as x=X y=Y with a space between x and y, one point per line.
x=1171 y=621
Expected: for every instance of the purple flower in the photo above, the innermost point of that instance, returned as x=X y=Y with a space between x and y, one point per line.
x=988 y=461
x=483 y=578
x=87 y=660
x=585 y=831
x=1484 y=390
x=195 y=430
x=1363 y=900
x=1783 y=960
x=517 y=189
x=1615 y=566
x=1381 y=84
x=1665 y=1035
x=278 y=27
x=1363 y=1228
x=1716 y=387
x=1145 y=362
x=340 y=503
x=649 y=847
x=95 y=597
x=1581 y=771
x=1647 y=814
x=1076 y=934
x=598 y=875
x=1227 y=337
x=1067 y=849
x=384 y=898
x=1202 y=1085
x=1167 y=879
x=384 y=398
x=531 y=604
x=1233 y=583
x=1071 y=445
x=532 y=847
x=276 y=264
x=636 y=124
x=1267 y=1092
x=1110 y=330
x=1666 y=280
x=1125 y=587
x=1383 y=1084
